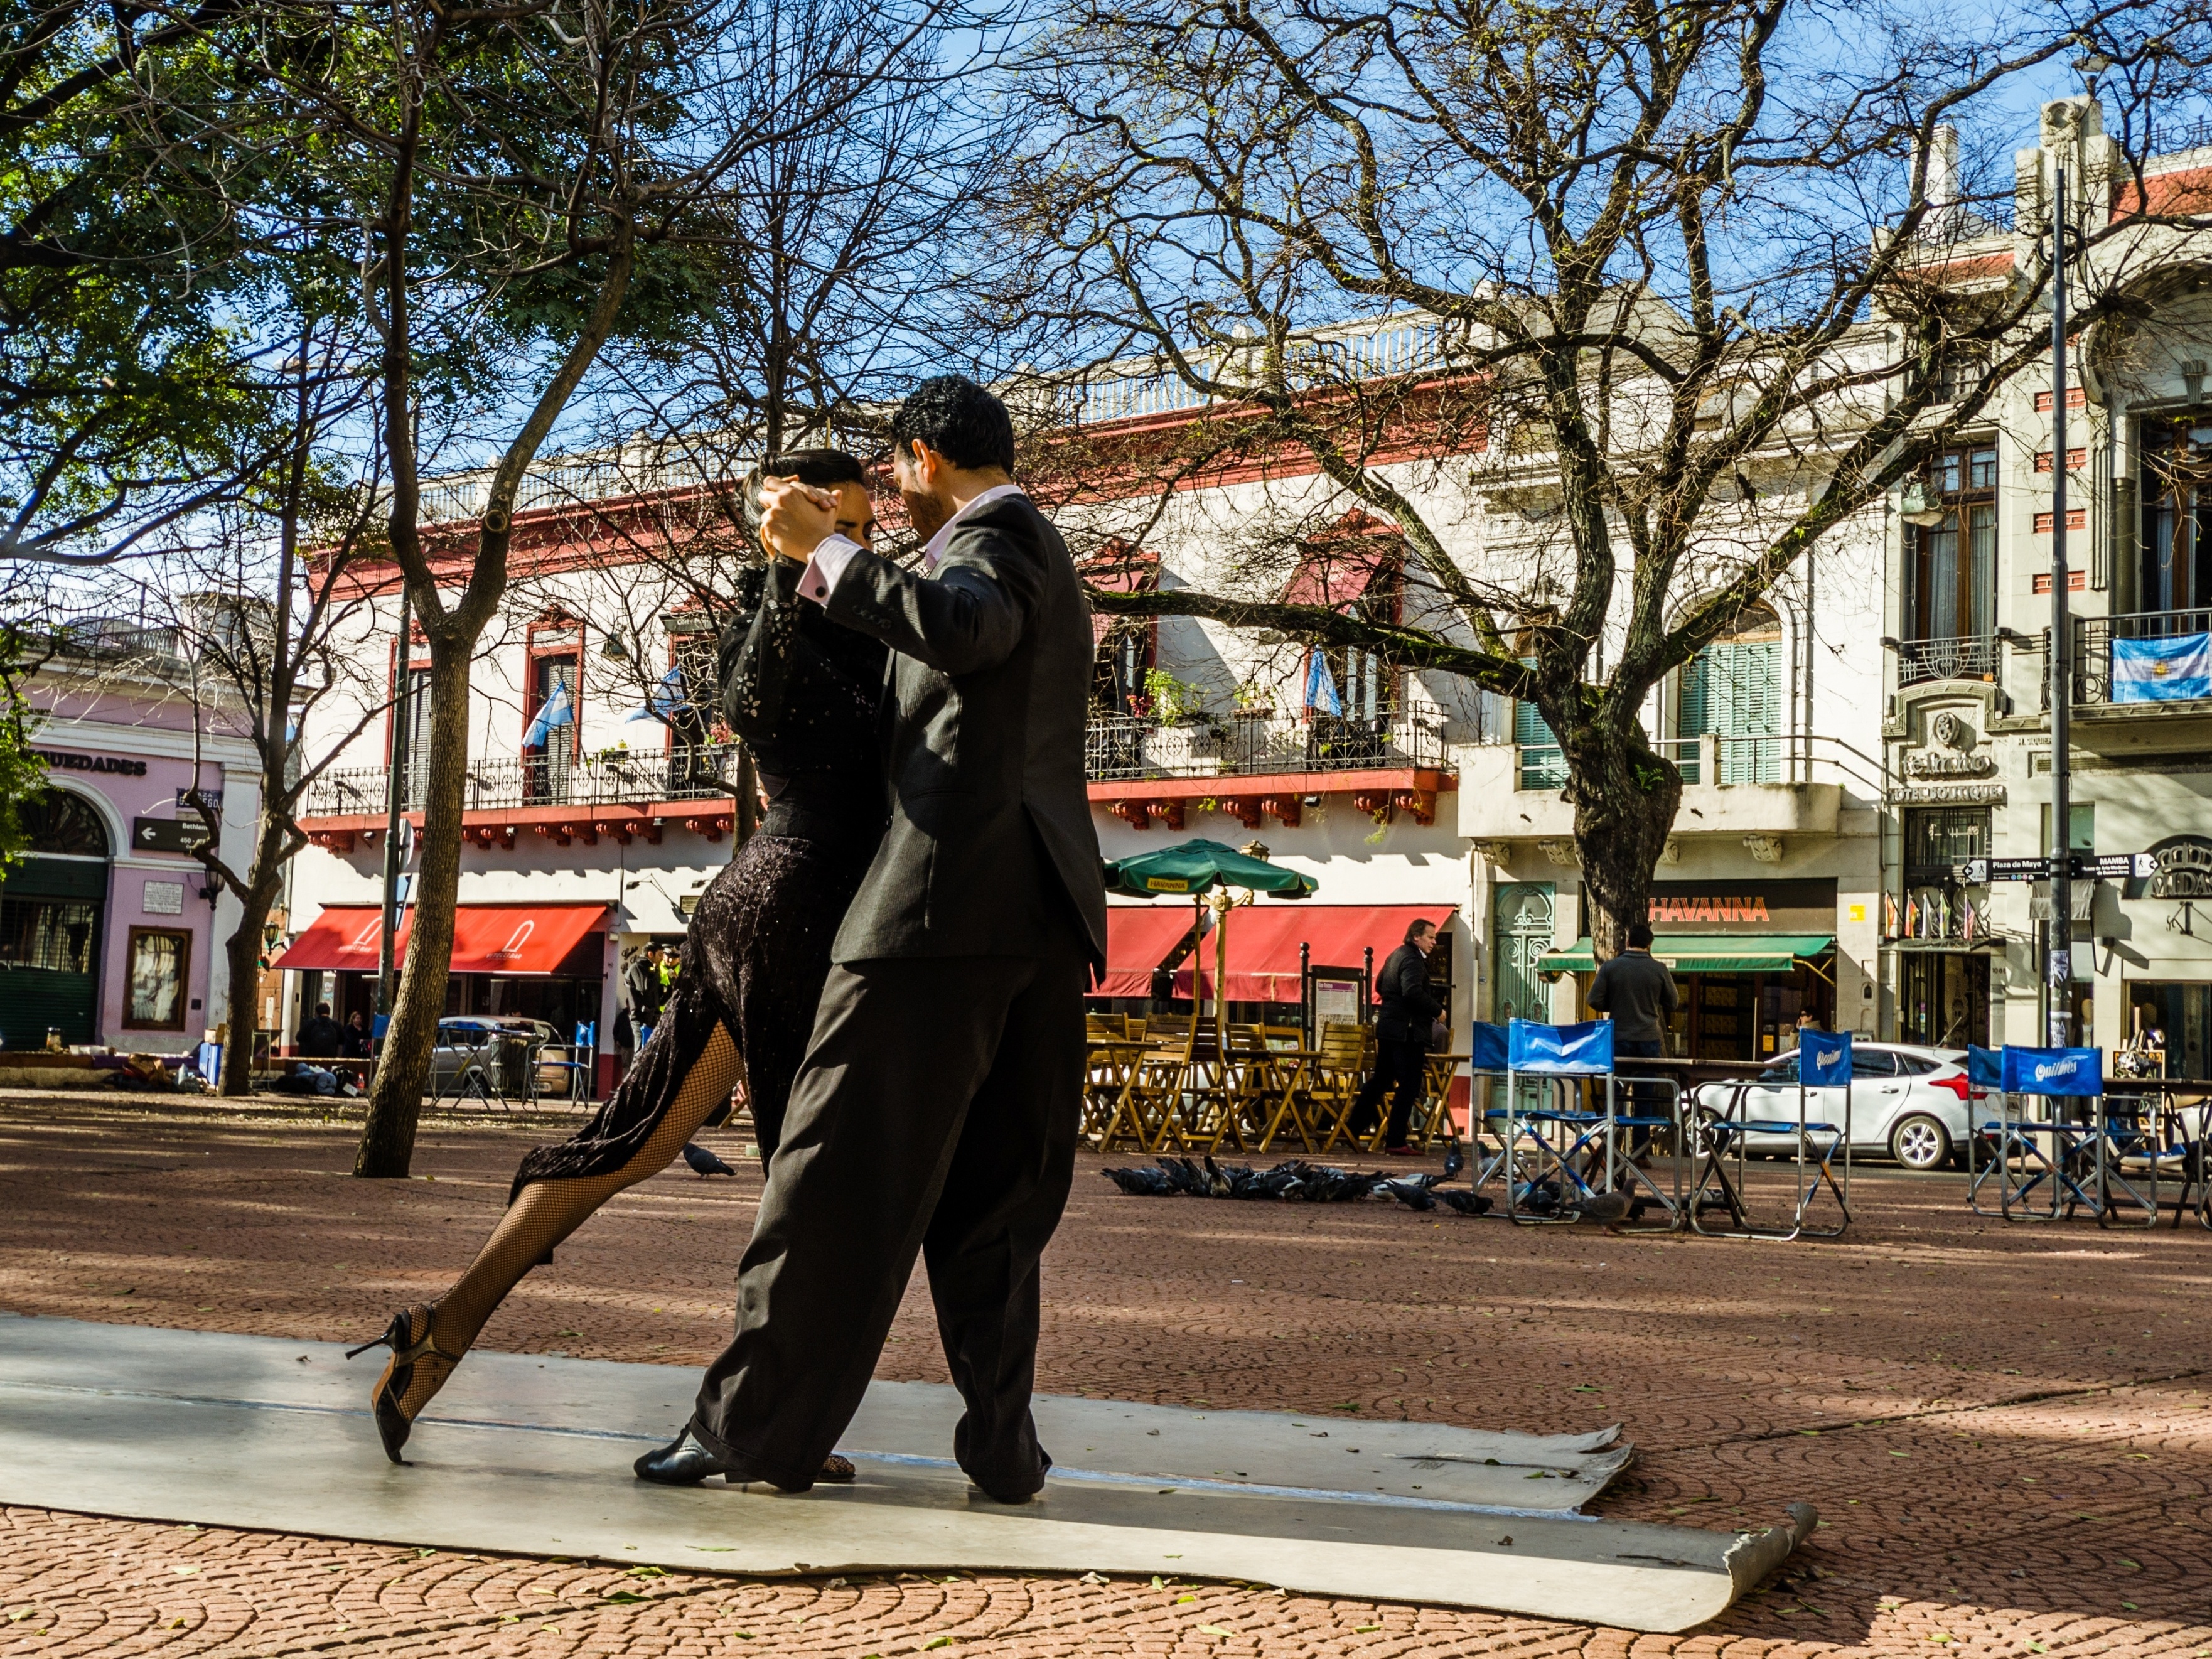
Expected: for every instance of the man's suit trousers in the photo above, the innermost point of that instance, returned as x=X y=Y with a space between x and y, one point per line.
x=936 y=1112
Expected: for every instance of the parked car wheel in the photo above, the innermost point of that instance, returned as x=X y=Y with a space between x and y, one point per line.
x=1920 y=1142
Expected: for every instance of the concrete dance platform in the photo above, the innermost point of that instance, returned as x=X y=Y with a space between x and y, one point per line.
x=531 y=1456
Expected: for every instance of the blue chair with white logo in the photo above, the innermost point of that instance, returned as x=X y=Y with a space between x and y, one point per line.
x=2061 y=1145
x=1822 y=1151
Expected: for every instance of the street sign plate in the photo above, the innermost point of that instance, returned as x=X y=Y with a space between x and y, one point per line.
x=2080 y=866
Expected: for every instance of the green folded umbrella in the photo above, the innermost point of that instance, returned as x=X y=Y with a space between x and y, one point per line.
x=1198 y=866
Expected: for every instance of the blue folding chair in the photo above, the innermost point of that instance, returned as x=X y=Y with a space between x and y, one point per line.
x=582 y=1064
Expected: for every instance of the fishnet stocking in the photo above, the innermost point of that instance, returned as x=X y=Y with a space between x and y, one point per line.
x=548 y=1211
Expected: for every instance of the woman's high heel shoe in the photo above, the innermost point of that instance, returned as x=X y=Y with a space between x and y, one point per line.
x=393 y=1425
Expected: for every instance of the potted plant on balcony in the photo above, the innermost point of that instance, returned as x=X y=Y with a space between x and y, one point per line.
x=1174 y=701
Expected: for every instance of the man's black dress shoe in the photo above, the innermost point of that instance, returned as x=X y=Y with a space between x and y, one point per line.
x=683 y=1463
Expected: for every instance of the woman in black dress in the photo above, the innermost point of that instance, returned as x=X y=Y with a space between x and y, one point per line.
x=802 y=692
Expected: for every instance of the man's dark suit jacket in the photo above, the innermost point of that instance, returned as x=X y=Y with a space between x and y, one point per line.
x=989 y=690
x=1410 y=1003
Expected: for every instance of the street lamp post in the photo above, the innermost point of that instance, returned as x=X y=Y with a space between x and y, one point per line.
x=2058 y=965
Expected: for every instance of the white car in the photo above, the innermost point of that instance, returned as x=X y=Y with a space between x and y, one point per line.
x=1908 y=1102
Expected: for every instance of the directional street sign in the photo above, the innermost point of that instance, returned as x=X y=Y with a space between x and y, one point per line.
x=2114 y=867
x=2080 y=866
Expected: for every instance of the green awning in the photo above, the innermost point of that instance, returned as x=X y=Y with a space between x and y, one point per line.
x=1706 y=953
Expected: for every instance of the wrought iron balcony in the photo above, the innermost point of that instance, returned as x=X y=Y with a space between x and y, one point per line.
x=619 y=778
x=1128 y=747
x=2093 y=647
x=1968 y=656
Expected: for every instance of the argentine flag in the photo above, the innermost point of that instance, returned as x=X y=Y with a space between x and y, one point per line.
x=2162 y=671
x=556 y=710
x=1321 y=686
x=662 y=704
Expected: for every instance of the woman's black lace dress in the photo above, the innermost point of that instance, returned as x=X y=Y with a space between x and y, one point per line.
x=803 y=693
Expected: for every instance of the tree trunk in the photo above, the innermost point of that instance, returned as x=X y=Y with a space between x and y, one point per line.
x=243 y=951
x=403 y=1069
x=1625 y=798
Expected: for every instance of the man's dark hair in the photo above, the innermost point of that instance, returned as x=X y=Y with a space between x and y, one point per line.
x=959 y=420
x=1639 y=935
x=324 y=1009
x=824 y=469
x=1418 y=926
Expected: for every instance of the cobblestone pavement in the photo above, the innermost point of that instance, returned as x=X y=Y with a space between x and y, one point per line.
x=2008 y=1430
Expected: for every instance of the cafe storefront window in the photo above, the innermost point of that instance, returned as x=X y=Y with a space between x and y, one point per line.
x=1748 y=956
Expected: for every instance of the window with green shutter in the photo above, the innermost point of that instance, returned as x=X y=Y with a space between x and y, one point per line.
x=1732 y=691
x=1543 y=765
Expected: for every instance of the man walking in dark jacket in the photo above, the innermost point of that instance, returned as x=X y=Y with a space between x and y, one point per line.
x=1409 y=1010
x=937 y=1106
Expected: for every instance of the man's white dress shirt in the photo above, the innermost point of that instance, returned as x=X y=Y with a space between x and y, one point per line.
x=826 y=564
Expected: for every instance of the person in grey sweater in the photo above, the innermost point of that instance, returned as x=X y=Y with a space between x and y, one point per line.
x=1637 y=994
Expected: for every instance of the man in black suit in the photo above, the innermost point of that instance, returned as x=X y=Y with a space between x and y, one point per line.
x=1409 y=1010
x=937 y=1106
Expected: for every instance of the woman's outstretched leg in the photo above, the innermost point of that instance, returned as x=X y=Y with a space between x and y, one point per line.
x=428 y=1339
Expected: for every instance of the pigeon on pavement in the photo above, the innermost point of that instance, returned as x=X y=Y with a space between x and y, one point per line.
x=1413 y=1193
x=704 y=1162
x=1465 y=1203
x=1607 y=1210
x=1143 y=1183
x=1455 y=1160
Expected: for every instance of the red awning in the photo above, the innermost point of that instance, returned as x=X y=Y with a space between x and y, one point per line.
x=488 y=939
x=1337 y=568
x=344 y=938
x=1139 y=937
x=1264 y=941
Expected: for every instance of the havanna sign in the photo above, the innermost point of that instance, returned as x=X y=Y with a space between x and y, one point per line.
x=1743 y=907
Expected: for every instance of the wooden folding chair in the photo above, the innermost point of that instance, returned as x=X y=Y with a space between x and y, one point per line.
x=1108 y=1068
x=1334 y=1077
x=1204 y=1109
x=1144 y=1115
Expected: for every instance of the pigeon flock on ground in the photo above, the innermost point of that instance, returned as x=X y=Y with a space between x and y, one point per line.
x=1314 y=1183
x=1323 y=1183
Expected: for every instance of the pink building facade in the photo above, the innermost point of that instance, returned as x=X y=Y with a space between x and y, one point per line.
x=107 y=929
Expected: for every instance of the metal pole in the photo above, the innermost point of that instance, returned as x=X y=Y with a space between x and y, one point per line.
x=2058 y=968
x=395 y=799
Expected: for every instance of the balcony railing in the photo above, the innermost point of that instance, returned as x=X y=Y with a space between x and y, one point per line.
x=687 y=772
x=1969 y=657
x=1129 y=746
x=1733 y=760
x=2093 y=646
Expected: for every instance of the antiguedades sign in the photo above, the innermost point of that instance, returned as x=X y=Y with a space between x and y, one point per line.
x=1746 y=906
x=63 y=760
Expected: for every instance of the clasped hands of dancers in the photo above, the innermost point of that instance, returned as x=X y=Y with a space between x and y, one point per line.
x=893 y=965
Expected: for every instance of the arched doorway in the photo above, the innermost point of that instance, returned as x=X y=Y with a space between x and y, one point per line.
x=51 y=911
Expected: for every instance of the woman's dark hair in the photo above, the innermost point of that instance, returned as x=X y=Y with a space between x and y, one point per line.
x=825 y=468
x=959 y=420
